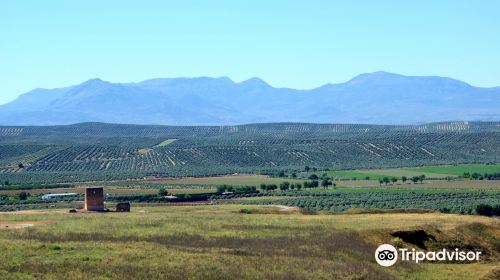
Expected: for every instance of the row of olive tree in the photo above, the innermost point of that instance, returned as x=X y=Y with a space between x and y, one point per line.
x=404 y=179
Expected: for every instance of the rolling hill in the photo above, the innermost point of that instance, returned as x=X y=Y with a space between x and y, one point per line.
x=374 y=98
x=97 y=151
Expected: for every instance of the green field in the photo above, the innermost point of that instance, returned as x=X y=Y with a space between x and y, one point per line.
x=377 y=174
x=166 y=142
x=459 y=170
x=399 y=172
x=219 y=242
x=435 y=172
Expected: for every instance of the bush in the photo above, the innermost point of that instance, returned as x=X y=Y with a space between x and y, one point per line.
x=245 y=211
x=313 y=177
x=488 y=210
x=308 y=211
x=23 y=195
x=398 y=242
x=444 y=210
x=485 y=210
x=163 y=192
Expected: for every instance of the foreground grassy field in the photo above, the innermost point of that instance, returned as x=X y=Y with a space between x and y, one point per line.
x=220 y=242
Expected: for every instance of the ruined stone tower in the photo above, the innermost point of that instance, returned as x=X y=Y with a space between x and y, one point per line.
x=94 y=199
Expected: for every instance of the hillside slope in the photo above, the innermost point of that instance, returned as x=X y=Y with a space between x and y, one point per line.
x=375 y=98
x=96 y=151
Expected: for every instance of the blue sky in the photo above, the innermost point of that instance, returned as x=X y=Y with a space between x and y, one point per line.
x=300 y=44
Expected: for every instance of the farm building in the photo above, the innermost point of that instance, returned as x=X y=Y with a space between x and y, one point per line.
x=94 y=199
x=57 y=195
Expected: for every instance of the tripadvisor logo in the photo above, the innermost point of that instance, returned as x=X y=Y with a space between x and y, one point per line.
x=387 y=255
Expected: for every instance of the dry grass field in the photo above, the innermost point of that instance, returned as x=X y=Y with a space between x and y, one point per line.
x=222 y=242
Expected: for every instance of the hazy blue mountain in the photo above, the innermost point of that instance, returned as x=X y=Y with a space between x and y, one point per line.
x=373 y=98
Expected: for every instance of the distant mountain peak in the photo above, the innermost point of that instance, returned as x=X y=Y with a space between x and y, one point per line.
x=255 y=82
x=380 y=74
x=377 y=77
x=92 y=85
x=94 y=81
x=382 y=78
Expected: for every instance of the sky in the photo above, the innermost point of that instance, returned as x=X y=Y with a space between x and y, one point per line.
x=297 y=44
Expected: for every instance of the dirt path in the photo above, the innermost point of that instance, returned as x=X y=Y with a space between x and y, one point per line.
x=35 y=212
x=15 y=225
x=284 y=208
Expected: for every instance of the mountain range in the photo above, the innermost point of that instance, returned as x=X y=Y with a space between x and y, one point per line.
x=372 y=98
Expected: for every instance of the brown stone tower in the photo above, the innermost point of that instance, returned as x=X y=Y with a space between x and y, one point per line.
x=94 y=199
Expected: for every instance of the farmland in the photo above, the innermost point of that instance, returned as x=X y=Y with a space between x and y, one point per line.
x=236 y=180
x=460 y=196
x=103 y=152
x=376 y=174
x=462 y=202
x=458 y=170
x=245 y=203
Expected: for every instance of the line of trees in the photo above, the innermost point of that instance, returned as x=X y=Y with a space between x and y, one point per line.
x=235 y=189
x=283 y=186
x=404 y=179
x=485 y=176
x=283 y=174
x=311 y=184
x=325 y=183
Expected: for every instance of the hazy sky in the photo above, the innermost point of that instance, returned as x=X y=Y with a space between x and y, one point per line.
x=300 y=44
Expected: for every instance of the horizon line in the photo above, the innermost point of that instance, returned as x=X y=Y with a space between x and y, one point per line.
x=465 y=122
x=260 y=79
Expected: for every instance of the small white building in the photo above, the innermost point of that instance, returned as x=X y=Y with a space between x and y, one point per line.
x=57 y=195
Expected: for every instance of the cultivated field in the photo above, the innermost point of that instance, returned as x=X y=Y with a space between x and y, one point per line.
x=376 y=174
x=103 y=152
x=236 y=180
x=458 y=170
x=221 y=242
